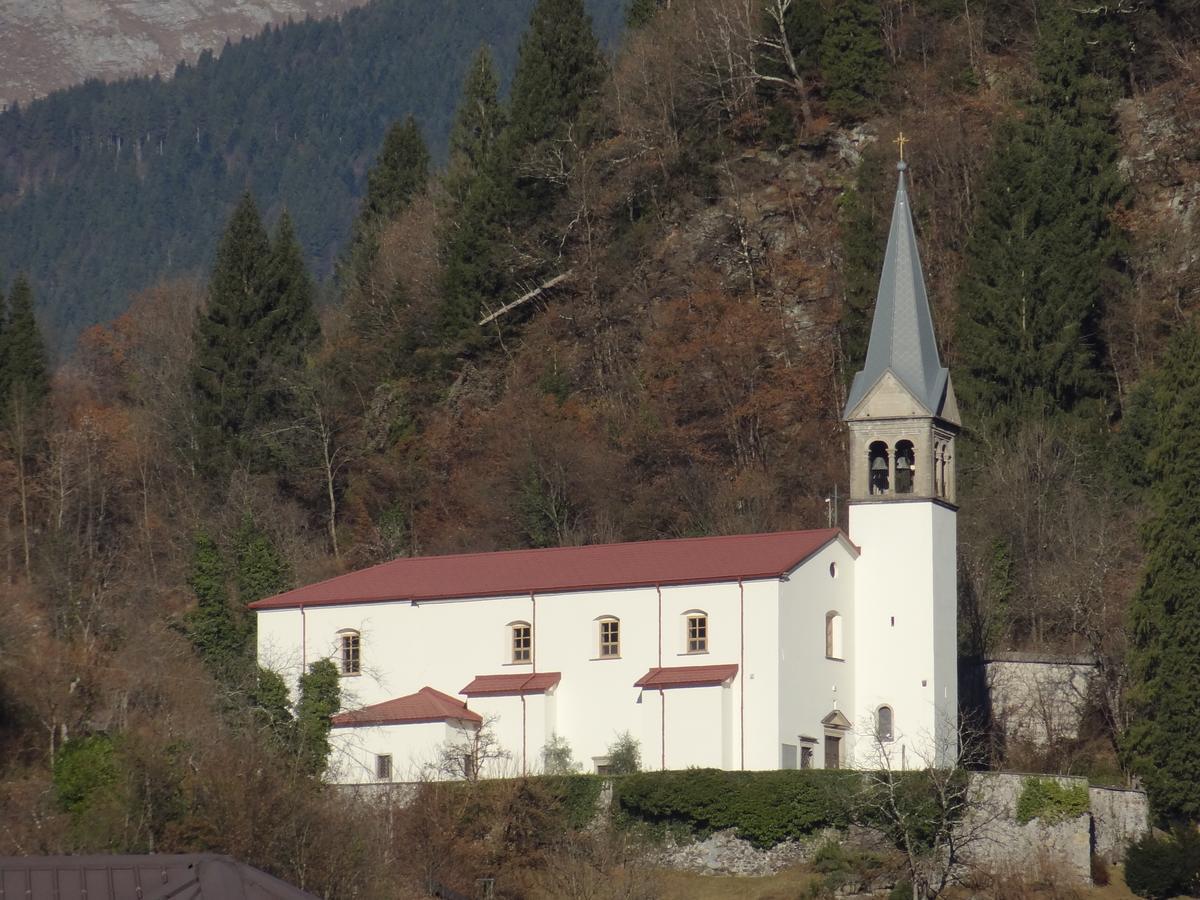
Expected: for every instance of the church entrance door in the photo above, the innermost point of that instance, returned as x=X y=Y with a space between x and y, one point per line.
x=833 y=752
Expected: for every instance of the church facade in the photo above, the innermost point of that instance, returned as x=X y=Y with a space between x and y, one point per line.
x=784 y=650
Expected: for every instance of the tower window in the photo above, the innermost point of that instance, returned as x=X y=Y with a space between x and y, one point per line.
x=879 y=475
x=833 y=635
x=522 y=642
x=905 y=467
x=883 y=724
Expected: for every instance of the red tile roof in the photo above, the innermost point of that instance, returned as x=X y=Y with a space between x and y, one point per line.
x=686 y=676
x=600 y=566
x=523 y=683
x=426 y=705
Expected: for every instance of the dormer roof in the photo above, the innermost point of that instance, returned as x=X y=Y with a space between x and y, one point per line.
x=902 y=339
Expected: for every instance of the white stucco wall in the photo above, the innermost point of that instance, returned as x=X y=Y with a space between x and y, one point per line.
x=811 y=685
x=905 y=628
x=415 y=749
x=445 y=644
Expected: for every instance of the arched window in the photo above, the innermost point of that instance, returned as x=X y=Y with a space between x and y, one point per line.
x=906 y=461
x=878 y=475
x=350 y=649
x=696 y=631
x=610 y=636
x=522 y=641
x=884 y=730
x=937 y=477
x=833 y=635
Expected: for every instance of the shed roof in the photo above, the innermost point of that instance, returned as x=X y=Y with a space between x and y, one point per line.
x=499 y=685
x=562 y=569
x=426 y=705
x=190 y=876
x=686 y=676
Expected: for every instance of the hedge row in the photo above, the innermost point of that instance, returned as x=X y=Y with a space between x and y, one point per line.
x=765 y=807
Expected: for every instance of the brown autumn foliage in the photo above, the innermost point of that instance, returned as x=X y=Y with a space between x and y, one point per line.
x=687 y=380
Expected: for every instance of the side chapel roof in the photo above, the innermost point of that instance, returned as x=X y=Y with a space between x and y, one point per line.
x=426 y=705
x=902 y=339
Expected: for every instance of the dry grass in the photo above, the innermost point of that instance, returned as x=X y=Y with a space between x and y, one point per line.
x=786 y=885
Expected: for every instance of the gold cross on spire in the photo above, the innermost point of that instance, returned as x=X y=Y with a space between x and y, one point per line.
x=900 y=141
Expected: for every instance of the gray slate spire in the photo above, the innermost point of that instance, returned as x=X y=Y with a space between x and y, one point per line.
x=902 y=338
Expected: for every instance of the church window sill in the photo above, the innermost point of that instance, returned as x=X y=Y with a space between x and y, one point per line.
x=693 y=653
x=525 y=662
x=602 y=658
x=836 y=658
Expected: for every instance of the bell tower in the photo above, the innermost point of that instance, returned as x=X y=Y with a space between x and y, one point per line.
x=903 y=420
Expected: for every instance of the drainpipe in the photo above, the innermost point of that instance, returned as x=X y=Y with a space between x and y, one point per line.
x=524 y=759
x=742 y=668
x=662 y=705
x=534 y=636
x=303 y=641
x=658 y=587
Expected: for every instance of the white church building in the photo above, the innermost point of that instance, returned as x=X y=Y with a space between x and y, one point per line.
x=762 y=651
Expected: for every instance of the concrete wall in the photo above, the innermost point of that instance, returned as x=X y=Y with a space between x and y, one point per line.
x=1035 y=699
x=1119 y=817
x=995 y=841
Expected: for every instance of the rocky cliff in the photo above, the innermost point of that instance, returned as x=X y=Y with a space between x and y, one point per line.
x=51 y=44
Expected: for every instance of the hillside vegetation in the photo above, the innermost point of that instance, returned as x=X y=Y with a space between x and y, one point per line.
x=106 y=187
x=626 y=306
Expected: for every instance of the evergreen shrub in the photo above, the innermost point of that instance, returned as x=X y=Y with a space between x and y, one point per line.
x=1161 y=866
x=765 y=808
x=1050 y=801
x=577 y=796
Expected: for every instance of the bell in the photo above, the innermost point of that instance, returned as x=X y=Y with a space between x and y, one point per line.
x=879 y=464
x=903 y=463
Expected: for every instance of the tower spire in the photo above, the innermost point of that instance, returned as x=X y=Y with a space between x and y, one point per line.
x=902 y=339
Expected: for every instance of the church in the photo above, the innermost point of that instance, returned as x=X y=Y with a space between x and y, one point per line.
x=762 y=651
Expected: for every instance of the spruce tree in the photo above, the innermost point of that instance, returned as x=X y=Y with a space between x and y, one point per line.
x=478 y=124
x=559 y=69
x=25 y=378
x=259 y=569
x=296 y=329
x=852 y=60
x=399 y=173
x=227 y=369
x=477 y=208
x=320 y=699
x=1163 y=744
x=641 y=12
x=1045 y=255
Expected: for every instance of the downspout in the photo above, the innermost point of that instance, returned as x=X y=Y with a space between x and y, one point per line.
x=534 y=635
x=658 y=587
x=662 y=705
x=742 y=668
x=524 y=759
x=303 y=641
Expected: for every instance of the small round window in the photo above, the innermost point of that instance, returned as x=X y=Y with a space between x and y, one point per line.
x=833 y=570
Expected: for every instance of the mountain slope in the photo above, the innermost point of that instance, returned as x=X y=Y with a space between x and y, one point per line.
x=51 y=45
x=105 y=187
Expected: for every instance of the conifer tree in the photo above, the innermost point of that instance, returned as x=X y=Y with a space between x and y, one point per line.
x=253 y=334
x=399 y=173
x=641 y=12
x=320 y=699
x=25 y=377
x=852 y=60
x=478 y=124
x=1163 y=744
x=218 y=632
x=290 y=285
x=259 y=569
x=559 y=68
x=1045 y=255
x=227 y=373
x=477 y=206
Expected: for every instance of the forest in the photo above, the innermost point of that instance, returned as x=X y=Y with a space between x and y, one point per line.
x=624 y=303
x=106 y=187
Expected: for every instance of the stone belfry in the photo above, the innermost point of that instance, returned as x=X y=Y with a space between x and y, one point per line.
x=903 y=420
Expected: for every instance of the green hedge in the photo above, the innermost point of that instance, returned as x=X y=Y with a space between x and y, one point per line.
x=1050 y=801
x=766 y=808
x=577 y=795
